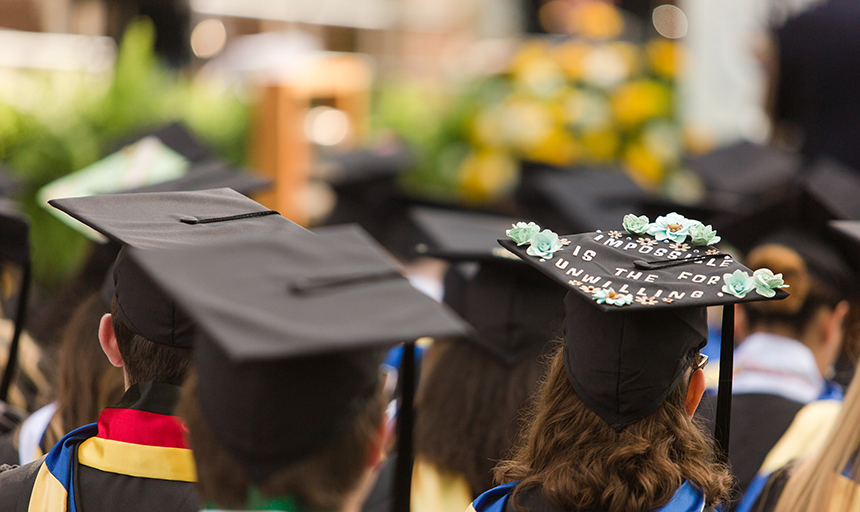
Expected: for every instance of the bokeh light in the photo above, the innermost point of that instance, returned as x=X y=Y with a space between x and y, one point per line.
x=670 y=21
x=208 y=38
x=326 y=126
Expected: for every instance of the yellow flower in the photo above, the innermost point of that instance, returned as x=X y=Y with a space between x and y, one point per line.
x=601 y=145
x=526 y=123
x=571 y=56
x=643 y=166
x=640 y=100
x=665 y=57
x=487 y=174
x=558 y=148
x=587 y=109
x=596 y=20
x=530 y=52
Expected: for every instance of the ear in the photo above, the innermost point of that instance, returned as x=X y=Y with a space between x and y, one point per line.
x=832 y=327
x=377 y=450
x=107 y=339
x=695 y=390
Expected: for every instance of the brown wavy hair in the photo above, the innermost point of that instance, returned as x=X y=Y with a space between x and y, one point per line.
x=581 y=463
x=468 y=408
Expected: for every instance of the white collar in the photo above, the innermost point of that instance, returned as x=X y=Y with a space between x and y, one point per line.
x=777 y=365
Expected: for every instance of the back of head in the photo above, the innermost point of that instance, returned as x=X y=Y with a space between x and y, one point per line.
x=817 y=274
x=145 y=360
x=582 y=463
x=468 y=408
x=320 y=482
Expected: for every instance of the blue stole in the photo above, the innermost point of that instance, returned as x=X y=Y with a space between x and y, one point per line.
x=686 y=499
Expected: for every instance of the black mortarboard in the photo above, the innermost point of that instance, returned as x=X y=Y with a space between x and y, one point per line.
x=15 y=247
x=583 y=199
x=835 y=186
x=735 y=176
x=366 y=185
x=636 y=306
x=167 y=219
x=799 y=221
x=289 y=327
x=515 y=310
x=174 y=135
x=209 y=174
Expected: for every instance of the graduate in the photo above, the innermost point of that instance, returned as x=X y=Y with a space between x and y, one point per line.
x=285 y=409
x=135 y=457
x=612 y=426
x=473 y=389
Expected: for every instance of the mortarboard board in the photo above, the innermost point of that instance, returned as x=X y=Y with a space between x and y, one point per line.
x=835 y=186
x=366 y=186
x=582 y=200
x=209 y=174
x=286 y=329
x=167 y=219
x=735 y=176
x=15 y=247
x=175 y=136
x=636 y=306
x=515 y=310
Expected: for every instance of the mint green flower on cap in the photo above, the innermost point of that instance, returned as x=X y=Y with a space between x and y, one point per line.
x=766 y=282
x=635 y=225
x=610 y=296
x=672 y=227
x=543 y=244
x=738 y=283
x=703 y=235
x=522 y=233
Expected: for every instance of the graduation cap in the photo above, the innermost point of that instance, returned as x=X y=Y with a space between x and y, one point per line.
x=515 y=310
x=175 y=136
x=736 y=175
x=581 y=200
x=799 y=221
x=15 y=248
x=636 y=306
x=167 y=219
x=366 y=185
x=209 y=174
x=835 y=186
x=288 y=330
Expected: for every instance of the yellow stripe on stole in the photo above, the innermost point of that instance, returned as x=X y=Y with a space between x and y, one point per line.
x=471 y=508
x=138 y=460
x=48 y=494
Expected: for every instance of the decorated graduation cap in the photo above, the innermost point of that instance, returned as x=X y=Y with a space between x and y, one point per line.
x=167 y=219
x=289 y=331
x=15 y=248
x=515 y=310
x=636 y=307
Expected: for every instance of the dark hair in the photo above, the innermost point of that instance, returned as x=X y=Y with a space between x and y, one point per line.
x=145 y=360
x=467 y=409
x=808 y=294
x=581 y=463
x=87 y=382
x=320 y=482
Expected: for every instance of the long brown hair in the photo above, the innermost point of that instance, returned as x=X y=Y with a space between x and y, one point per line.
x=467 y=408
x=86 y=381
x=581 y=463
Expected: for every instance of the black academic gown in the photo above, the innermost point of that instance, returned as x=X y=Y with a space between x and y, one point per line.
x=133 y=459
x=758 y=422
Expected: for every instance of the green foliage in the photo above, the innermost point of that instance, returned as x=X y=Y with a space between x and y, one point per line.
x=55 y=123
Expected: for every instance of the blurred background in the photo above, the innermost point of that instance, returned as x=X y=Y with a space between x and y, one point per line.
x=449 y=102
